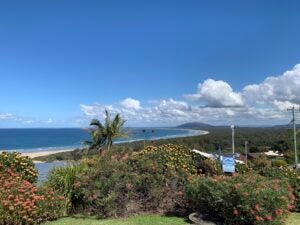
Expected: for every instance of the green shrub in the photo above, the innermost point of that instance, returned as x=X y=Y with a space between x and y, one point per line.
x=242 y=168
x=243 y=199
x=285 y=173
x=21 y=164
x=148 y=181
x=207 y=166
x=22 y=203
x=279 y=163
x=62 y=180
x=114 y=188
x=261 y=162
x=104 y=189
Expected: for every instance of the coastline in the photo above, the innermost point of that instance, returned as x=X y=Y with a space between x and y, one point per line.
x=44 y=153
x=34 y=154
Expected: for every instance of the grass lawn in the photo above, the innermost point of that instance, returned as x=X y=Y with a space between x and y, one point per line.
x=138 y=220
x=294 y=219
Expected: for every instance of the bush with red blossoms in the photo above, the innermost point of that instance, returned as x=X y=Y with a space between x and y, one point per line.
x=21 y=164
x=21 y=202
x=243 y=199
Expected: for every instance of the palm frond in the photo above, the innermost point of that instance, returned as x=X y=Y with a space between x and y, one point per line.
x=96 y=123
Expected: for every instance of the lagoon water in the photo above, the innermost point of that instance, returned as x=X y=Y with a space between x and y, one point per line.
x=44 y=139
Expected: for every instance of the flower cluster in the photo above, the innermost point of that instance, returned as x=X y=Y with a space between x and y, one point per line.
x=171 y=156
x=21 y=164
x=21 y=202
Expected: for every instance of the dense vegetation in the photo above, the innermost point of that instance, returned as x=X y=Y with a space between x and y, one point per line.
x=259 y=139
x=161 y=177
x=21 y=200
x=242 y=199
x=171 y=179
x=166 y=179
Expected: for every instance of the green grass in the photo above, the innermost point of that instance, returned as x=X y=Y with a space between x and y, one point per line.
x=138 y=220
x=294 y=219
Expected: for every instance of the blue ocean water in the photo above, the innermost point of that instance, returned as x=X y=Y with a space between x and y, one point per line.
x=44 y=139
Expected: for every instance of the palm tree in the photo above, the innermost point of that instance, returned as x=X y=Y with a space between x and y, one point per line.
x=104 y=135
x=98 y=136
x=113 y=128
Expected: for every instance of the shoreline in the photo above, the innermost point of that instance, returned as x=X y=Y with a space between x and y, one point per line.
x=34 y=154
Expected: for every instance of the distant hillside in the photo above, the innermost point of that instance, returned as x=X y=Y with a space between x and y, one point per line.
x=286 y=126
x=195 y=125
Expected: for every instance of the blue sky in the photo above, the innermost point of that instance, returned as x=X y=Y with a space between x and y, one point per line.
x=63 y=62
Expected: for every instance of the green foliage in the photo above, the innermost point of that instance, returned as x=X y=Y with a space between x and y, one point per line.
x=105 y=188
x=207 y=166
x=282 y=145
x=261 y=162
x=254 y=149
x=282 y=173
x=242 y=168
x=279 y=163
x=62 y=180
x=147 y=181
x=21 y=164
x=208 y=142
x=105 y=134
x=243 y=199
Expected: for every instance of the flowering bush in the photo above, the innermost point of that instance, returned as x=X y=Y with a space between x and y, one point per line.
x=23 y=165
x=23 y=203
x=112 y=188
x=148 y=181
x=175 y=157
x=285 y=173
x=242 y=199
x=207 y=166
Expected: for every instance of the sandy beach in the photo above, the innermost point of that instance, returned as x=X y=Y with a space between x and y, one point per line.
x=44 y=153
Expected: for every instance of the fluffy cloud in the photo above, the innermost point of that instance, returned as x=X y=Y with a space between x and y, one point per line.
x=214 y=102
x=276 y=91
x=130 y=103
x=161 y=111
x=217 y=94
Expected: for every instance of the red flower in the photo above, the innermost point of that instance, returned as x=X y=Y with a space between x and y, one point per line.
x=269 y=218
x=235 y=212
x=277 y=212
x=258 y=218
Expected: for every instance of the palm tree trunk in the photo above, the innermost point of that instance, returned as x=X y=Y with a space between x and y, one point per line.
x=109 y=144
x=101 y=152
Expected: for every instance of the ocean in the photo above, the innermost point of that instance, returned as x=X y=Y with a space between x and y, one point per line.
x=45 y=139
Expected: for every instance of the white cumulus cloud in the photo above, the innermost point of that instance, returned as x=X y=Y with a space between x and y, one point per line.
x=214 y=102
x=280 y=91
x=217 y=94
x=130 y=103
